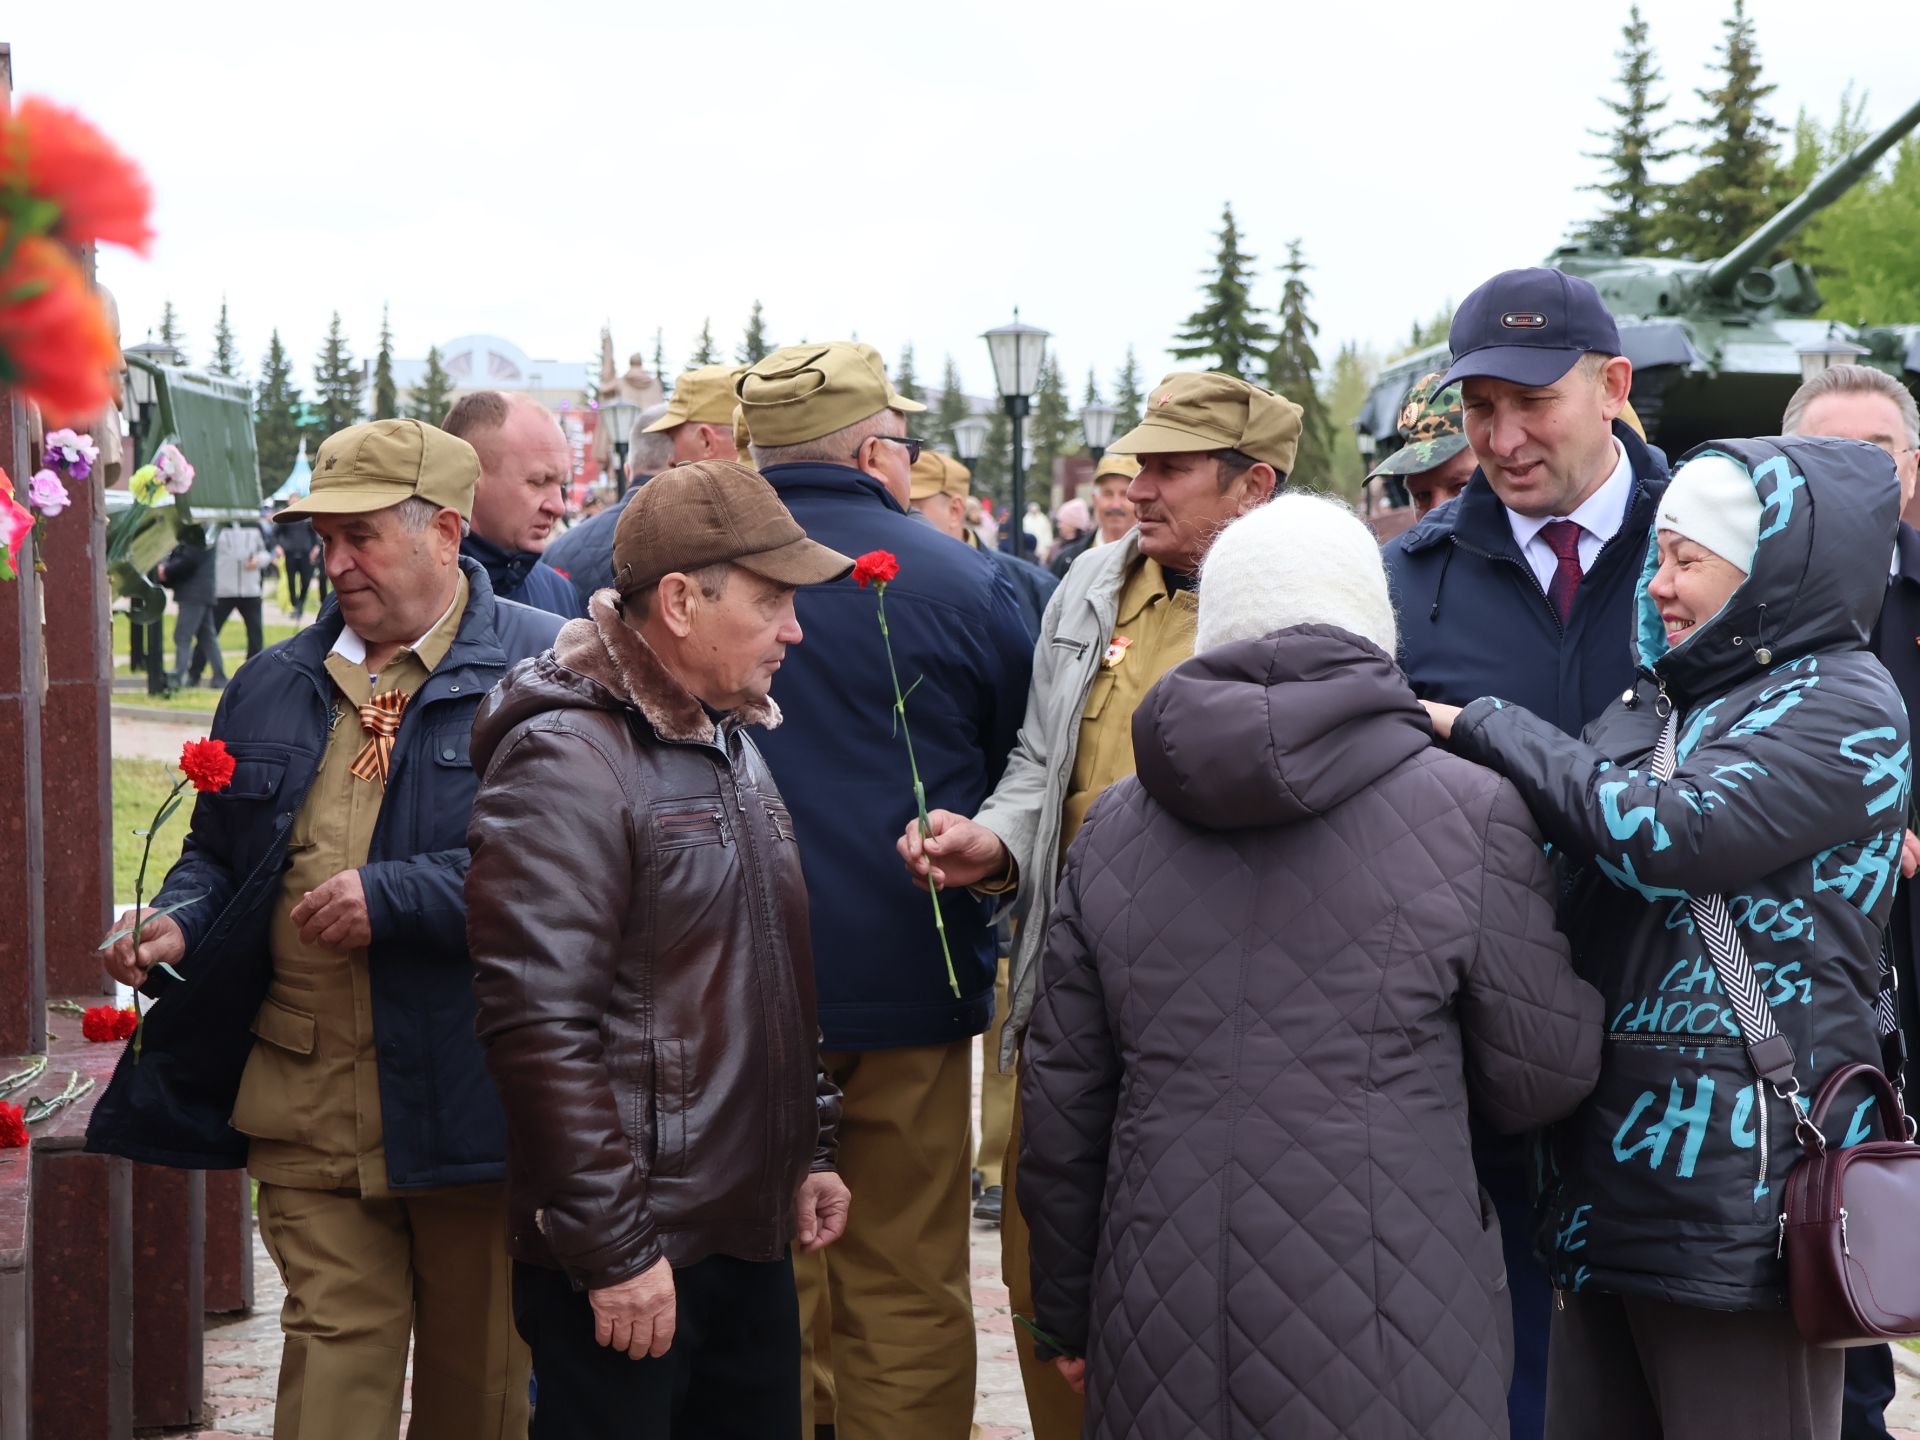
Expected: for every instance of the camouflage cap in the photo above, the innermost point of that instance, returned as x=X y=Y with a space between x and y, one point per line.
x=1432 y=428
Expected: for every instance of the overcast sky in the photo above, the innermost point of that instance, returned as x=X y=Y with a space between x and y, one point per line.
x=908 y=173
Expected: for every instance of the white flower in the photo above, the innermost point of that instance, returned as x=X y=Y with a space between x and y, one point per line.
x=175 y=473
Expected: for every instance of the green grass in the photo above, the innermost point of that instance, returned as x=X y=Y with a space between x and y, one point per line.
x=233 y=641
x=193 y=702
x=139 y=787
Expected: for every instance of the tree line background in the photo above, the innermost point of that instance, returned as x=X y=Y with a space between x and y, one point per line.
x=1685 y=190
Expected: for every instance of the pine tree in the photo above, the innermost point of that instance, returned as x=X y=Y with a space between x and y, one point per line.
x=386 y=400
x=433 y=392
x=1051 y=432
x=919 y=423
x=1092 y=395
x=1227 y=330
x=992 y=470
x=1349 y=381
x=1628 y=224
x=276 y=416
x=755 y=346
x=1293 y=370
x=1431 y=331
x=336 y=383
x=1739 y=180
x=660 y=358
x=226 y=359
x=1129 y=400
x=703 y=352
x=953 y=406
x=170 y=333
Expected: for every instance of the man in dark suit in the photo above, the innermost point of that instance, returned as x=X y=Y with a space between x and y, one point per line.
x=1857 y=402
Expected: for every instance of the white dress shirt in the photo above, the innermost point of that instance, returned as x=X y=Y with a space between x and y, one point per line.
x=1598 y=517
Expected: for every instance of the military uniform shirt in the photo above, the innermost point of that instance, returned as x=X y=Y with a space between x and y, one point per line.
x=310 y=1095
x=1153 y=631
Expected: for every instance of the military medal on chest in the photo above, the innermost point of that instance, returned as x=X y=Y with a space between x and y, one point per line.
x=1116 y=652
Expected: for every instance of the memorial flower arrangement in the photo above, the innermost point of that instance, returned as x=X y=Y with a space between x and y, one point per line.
x=103 y=1023
x=15 y=521
x=14 y=1119
x=62 y=185
x=207 y=766
x=877 y=568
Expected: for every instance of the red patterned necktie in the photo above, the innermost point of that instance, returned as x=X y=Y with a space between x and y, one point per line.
x=381 y=720
x=1563 y=538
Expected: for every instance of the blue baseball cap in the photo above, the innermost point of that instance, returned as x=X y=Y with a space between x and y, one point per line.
x=1529 y=327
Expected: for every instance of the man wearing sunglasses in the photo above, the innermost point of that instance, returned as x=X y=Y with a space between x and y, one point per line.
x=892 y=1299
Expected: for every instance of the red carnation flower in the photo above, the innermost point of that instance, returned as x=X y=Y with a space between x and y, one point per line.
x=101 y=1023
x=49 y=152
x=55 y=343
x=13 y=1126
x=876 y=566
x=207 y=764
x=125 y=1022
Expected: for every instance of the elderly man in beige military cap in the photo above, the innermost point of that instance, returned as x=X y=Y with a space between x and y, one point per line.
x=894 y=1295
x=1211 y=447
x=321 y=1028
x=699 y=415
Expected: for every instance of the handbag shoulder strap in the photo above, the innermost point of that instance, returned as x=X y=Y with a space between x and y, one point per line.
x=1768 y=1051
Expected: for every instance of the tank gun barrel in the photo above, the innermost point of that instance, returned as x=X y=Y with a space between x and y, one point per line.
x=1721 y=276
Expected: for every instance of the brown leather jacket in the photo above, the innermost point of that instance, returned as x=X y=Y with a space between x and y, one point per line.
x=638 y=925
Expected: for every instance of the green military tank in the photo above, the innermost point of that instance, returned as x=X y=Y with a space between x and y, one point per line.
x=1718 y=346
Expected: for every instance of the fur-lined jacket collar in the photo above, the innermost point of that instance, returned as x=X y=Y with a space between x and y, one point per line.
x=606 y=650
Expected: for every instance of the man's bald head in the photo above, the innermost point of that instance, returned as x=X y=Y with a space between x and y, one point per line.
x=525 y=464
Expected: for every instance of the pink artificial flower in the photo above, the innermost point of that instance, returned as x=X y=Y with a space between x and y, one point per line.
x=175 y=473
x=15 y=522
x=46 y=494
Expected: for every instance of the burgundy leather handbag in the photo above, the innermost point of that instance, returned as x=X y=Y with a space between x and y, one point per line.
x=1851 y=1227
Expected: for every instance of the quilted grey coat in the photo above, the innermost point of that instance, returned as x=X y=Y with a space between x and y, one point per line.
x=1281 y=960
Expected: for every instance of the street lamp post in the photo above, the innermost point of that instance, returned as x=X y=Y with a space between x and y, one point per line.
x=618 y=415
x=970 y=439
x=1096 y=425
x=1825 y=353
x=1018 y=351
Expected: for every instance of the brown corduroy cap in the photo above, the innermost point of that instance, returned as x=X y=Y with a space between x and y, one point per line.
x=1212 y=411
x=709 y=512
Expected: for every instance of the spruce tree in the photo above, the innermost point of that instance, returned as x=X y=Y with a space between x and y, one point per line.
x=1051 y=432
x=1349 y=382
x=992 y=472
x=226 y=359
x=703 y=352
x=1092 y=394
x=1629 y=223
x=754 y=345
x=336 y=383
x=276 y=416
x=660 y=357
x=919 y=423
x=1129 y=400
x=170 y=325
x=953 y=406
x=1293 y=370
x=386 y=400
x=1738 y=183
x=1226 y=331
x=433 y=393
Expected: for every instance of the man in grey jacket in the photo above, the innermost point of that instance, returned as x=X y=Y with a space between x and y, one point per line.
x=1211 y=448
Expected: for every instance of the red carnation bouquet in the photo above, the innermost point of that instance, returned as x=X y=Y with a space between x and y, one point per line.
x=207 y=766
x=876 y=568
x=103 y=1023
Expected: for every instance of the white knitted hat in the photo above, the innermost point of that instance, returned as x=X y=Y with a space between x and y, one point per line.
x=1711 y=501
x=1297 y=560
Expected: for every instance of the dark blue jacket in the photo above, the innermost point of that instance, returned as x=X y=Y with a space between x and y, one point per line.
x=443 y=1120
x=522 y=576
x=957 y=633
x=584 y=555
x=1474 y=620
x=1032 y=586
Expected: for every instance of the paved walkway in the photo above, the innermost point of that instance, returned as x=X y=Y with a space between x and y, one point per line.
x=243 y=1355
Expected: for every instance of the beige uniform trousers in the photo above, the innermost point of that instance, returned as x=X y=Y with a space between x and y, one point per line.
x=365 y=1275
x=892 y=1299
x=996 y=1091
